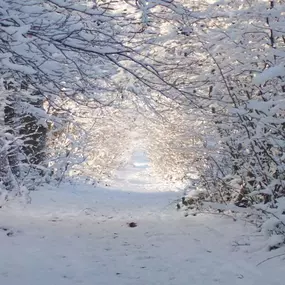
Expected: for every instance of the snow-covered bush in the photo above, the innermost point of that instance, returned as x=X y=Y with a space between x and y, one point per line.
x=242 y=46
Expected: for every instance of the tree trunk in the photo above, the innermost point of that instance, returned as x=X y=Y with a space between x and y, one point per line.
x=26 y=138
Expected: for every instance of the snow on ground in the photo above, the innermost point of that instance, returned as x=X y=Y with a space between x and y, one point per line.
x=78 y=234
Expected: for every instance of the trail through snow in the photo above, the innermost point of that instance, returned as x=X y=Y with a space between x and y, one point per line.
x=78 y=234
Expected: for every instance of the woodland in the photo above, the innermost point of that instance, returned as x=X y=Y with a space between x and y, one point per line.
x=199 y=83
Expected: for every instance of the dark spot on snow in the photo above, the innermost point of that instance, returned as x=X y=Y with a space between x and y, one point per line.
x=132 y=224
x=55 y=219
x=118 y=273
x=4 y=229
x=11 y=233
x=240 y=276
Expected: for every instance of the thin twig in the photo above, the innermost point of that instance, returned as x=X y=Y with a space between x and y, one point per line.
x=270 y=258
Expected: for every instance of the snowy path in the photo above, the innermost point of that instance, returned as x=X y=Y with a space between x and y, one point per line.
x=79 y=235
x=69 y=251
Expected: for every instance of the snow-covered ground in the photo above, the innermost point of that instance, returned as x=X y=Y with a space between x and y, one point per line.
x=78 y=234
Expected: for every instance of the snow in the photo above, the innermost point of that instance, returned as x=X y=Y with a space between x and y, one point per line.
x=79 y=234
x=6 y=63
x=269 y=73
